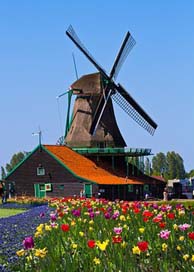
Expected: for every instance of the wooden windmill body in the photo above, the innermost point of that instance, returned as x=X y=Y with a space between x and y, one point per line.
x=107 y=133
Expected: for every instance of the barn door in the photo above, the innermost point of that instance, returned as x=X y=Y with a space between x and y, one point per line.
x=88 y=190
x=39 y=190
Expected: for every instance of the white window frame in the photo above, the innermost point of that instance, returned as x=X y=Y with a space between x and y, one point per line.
x=40 y=171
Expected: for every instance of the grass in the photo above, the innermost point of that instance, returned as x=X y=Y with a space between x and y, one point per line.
x=9 y=212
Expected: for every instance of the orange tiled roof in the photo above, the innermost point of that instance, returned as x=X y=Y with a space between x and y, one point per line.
x=159 y=178
x=85 y=168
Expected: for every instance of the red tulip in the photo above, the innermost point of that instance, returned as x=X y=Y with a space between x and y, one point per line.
x=143 y=246
x=65 y=227
x=91 y=243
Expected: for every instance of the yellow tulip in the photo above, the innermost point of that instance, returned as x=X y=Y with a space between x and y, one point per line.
x=136 y=250
x=41 y=252
x=96 y=261
x=20 y=252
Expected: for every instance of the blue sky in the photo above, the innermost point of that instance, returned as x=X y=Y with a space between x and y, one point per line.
x=36 y=65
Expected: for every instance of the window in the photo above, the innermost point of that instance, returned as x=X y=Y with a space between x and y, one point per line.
x=42 y=187
x=48 y=187
x=146 y=188
x=40 y=171
x=130 y=188
x=61 y=186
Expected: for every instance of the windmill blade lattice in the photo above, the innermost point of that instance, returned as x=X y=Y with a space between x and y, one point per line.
x=126 y=47
x=73 y=36
x=130 y=106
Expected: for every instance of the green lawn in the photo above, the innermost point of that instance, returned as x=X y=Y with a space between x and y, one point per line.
x=9 y=212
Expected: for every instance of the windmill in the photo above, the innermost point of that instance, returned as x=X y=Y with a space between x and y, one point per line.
x=93 y=122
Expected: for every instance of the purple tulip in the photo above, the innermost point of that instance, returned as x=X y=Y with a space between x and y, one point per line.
x=91 y=215
x=76 y=213
x=109 y=209
x=115 y=215
x=155 y=206
x=53 y=217
x=107 y=215
x=28 y=242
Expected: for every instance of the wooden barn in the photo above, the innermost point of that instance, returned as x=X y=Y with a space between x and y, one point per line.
x=51 y=171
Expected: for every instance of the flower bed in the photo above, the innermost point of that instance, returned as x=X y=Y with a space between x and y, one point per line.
x=24 y=202
x=15 y=205
x=97 y=235
x=28 y=200
x=14 y=228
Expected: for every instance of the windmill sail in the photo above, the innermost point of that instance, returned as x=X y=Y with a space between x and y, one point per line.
x=126 y=47
x=73 y=36
x=133 y=109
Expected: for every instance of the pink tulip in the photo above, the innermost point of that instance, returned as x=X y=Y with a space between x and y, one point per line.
x=164 y=234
